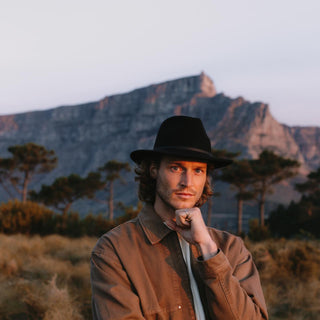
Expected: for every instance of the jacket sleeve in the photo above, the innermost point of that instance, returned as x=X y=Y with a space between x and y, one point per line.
x=232 y=289
x=113 y=297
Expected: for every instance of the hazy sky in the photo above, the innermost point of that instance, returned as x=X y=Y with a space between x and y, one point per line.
x=66 y=52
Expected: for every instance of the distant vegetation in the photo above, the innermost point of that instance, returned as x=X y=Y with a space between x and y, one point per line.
x=303 y=217
x=252 y=180
x=31 y=218
x=31 y=159
x=27 y=161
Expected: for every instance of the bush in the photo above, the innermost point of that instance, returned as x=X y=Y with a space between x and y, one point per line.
x=27 y=218
x=299 y=219
x=69 y=225
x=32 y=218
x=256 y=232
x=96 y=225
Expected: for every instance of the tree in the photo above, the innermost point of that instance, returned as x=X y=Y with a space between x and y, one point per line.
x=311 y=187
x=66 y=190
x=6 y=168
x=111 y=171
x=26 y=161
x=310 y=191
x=240 y=176
x=215 y=175
x=270 y=169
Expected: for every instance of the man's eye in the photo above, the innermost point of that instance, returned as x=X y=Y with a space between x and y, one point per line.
x=199 y=171
x=175 y=168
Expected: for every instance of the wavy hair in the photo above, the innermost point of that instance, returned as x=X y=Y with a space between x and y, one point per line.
x=147 y=184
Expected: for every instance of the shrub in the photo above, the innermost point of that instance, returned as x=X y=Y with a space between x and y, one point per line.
x=96 y=225
x=49 y=302
x=298 y=219
x=257 y=232
x=32 y=218
x=69 y=225
x=27 y=218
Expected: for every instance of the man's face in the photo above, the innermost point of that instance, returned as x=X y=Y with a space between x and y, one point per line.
x=179 y=183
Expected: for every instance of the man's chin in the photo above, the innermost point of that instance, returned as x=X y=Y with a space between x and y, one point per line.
x=185 y=205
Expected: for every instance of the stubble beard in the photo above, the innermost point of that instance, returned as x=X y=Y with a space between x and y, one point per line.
x=167 y=195
x=165 y=201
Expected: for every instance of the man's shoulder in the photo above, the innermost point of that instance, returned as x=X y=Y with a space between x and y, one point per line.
x=119 y=234
x=122 y=228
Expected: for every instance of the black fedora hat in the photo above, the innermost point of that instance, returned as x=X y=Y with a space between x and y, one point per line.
x=183 y=137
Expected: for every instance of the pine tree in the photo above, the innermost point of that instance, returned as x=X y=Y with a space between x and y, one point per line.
x=64 y=191
x=215 y=175
x=270 y=169
x=111 y=171
x=27 y=161
x=240 y=176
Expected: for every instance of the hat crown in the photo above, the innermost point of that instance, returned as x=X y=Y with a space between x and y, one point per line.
x=183 y=137
x=182 y=132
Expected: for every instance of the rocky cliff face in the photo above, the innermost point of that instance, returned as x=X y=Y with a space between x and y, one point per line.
x=308 y=141
x=85 y=136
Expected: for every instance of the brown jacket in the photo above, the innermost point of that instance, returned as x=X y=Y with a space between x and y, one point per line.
x=138 y=272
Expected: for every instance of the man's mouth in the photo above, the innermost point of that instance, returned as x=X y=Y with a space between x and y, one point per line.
x=185 y=195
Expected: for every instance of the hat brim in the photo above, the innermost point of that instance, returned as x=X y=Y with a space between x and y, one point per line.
x=185 y=153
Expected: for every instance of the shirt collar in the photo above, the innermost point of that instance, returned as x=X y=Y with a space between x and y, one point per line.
x=152 y=224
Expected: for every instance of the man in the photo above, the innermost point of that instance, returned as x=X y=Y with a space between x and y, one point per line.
x=166 y=264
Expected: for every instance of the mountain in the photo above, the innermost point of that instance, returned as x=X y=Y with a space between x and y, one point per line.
x=85 y=136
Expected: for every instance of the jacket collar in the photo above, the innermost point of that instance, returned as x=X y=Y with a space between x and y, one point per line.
x=152 y=224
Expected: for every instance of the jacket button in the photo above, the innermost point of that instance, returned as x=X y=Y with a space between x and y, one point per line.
x=179 y=307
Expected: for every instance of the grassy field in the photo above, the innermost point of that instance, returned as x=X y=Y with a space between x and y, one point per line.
x=290 y=277
x=48 y=277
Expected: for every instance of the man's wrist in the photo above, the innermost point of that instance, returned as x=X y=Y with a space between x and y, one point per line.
x=207 y=250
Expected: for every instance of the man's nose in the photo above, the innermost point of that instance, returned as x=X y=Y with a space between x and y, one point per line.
x=186 y=179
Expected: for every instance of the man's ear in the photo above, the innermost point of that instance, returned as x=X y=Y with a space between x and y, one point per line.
x=153 y=170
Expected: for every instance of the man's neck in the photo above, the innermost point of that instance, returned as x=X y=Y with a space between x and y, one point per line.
x=165 y=212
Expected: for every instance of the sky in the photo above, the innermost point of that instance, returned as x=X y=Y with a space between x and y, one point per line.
x=67 y=52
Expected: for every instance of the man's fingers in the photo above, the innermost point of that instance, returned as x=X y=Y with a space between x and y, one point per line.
x=182 y=223
x=184 y=217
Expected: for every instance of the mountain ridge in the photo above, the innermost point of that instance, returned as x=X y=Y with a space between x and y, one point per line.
x=85 y=136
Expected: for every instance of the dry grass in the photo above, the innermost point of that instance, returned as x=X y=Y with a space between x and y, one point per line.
x=48 y=277
x=45 y=277
x=290 y=276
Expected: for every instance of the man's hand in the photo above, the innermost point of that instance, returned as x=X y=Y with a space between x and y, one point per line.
x=190 y=225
